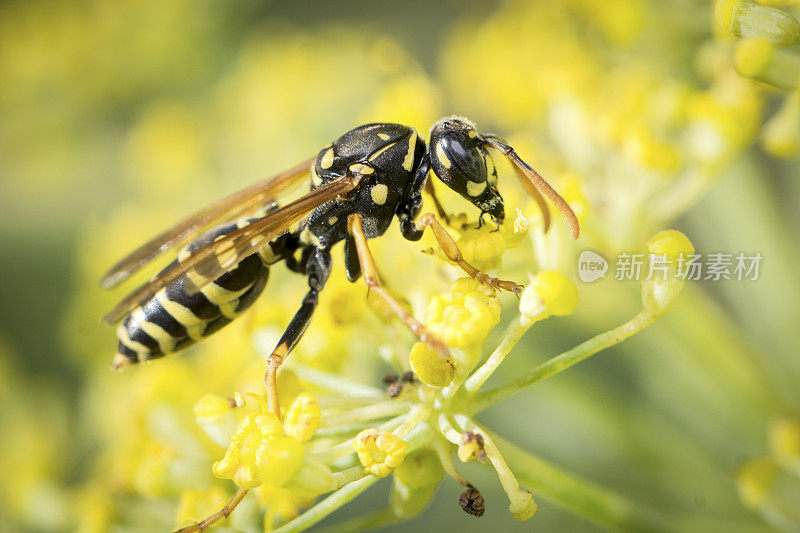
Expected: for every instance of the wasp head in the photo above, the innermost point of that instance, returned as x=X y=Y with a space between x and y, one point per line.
x=460 y=161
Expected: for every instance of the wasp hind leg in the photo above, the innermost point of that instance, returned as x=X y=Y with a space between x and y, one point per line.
x=318 y=268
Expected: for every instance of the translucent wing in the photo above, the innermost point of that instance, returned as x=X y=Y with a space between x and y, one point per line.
x=210 y=262
x=536 y=185
x=224 y=210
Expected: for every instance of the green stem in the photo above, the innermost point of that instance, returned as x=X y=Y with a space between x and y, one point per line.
x=563 y=361
x=363 y=414
x=510 y=339
x=327 y=506
x=578 y=496
x=334 y=383
x=378 y=518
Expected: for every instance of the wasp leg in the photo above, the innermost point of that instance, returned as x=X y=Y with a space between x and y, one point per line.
x=216 y=517
x=453 y=253
x=318 y=268
x=370 y=271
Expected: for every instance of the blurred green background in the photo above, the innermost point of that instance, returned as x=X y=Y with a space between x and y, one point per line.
x=118 y=117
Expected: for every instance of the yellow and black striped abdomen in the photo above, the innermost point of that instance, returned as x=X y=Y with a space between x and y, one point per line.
x=174 y=319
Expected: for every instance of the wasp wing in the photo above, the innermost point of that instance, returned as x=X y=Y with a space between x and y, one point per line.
x=224 y=210
x=208 y=263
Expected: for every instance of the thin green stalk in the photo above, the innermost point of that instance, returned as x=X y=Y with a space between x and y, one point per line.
x=335 y=383
x=510 y=339
x=363 y=414
x=579 y=496
x=563 y=361
x=327 y=506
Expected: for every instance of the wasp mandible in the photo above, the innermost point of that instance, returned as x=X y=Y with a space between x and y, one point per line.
x=358 y=184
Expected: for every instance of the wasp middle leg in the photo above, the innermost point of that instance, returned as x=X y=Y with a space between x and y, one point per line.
x=370 y=271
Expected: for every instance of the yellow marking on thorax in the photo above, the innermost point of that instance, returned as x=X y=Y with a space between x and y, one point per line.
x=442 y=157
x=361 y=168
x=379 y=192
x=475 y=189
x=374 y=156
x=309 y=237
x=327 y=159
x=383 y=136
x=333 y=220
x=408 y=162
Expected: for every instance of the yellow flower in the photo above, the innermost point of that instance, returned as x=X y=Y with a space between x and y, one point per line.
x=379 y=452
x=430 y=367
x=464 y=316
x=303 y=417
x=259 y=451
x=548 y=293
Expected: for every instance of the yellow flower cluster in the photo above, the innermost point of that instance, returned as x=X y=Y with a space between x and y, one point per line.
x=464 y=316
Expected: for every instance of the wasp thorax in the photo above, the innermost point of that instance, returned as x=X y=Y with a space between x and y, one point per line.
x=459 y=160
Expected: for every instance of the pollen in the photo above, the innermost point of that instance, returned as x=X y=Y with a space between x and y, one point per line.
x=379 y=452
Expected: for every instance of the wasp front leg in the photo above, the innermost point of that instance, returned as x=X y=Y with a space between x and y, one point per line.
x=370 y=272
x=318 y=269
x=453 y=253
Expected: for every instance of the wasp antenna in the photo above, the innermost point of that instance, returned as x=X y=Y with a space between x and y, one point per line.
x=536 y=185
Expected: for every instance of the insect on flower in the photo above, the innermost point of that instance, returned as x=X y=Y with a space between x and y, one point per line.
x=358 y=184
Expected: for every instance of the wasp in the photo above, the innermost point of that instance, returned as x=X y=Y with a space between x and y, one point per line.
x=358 y=184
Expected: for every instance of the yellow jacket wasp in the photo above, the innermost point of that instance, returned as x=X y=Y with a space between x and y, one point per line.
x=359 y=183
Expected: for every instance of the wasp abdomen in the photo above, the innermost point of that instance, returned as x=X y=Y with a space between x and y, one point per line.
x=174 y=319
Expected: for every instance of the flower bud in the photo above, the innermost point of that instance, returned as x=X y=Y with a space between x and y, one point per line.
x=759 y=59
x=379 y=452
x=415 y=482
x=216 y=415
x=303 y=417
x=430 y=367
x=471 y=447
x=548 y=293
x=660 y=292
x=525 y=507
x=749 y=19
